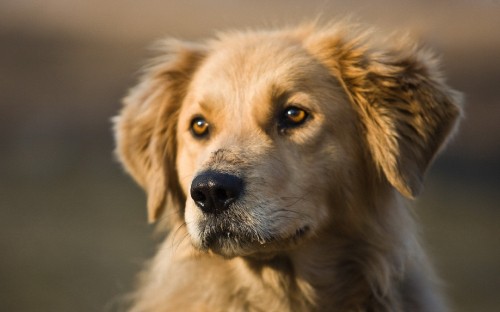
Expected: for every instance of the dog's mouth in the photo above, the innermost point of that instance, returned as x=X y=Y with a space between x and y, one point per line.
x=244 y=241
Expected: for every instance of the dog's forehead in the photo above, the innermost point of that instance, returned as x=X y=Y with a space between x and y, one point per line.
x=240 y=71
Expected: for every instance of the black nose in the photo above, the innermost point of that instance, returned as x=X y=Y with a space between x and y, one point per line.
x=214 y=191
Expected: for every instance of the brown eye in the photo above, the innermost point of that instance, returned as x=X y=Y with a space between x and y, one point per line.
x=292 y=117
x=295 y=115
x=199 y=127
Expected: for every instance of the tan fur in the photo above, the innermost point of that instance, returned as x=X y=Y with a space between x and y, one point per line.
x=380 y=112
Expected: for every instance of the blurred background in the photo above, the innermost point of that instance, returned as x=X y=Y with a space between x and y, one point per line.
x=73 y=225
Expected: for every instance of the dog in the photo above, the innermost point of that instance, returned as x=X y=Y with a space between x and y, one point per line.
x=280 y=163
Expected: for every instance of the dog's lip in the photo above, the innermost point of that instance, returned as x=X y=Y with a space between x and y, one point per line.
x=216 y=240
x=301 y=232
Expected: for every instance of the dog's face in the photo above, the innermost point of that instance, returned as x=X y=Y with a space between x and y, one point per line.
x=261 y=124
x=261 y=138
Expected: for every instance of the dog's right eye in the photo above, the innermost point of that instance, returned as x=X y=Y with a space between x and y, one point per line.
x=199 y=127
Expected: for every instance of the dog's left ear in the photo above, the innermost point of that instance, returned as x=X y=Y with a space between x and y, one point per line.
x=406 y=108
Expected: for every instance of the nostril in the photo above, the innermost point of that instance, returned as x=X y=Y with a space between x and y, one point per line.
x=198 y=196
x=225 y=196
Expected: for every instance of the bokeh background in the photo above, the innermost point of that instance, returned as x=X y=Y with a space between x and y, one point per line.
x=73 y=229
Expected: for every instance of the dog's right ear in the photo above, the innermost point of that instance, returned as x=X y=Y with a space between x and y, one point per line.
x=145 y=129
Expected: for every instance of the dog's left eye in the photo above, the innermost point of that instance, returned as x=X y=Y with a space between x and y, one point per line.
x=292 y=117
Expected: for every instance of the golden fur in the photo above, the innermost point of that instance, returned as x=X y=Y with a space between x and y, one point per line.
x=322 y=224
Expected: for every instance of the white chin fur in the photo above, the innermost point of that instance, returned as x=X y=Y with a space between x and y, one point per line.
x=191 y=215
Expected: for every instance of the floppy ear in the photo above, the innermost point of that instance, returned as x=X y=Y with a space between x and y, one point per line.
x=407 y=110
x=145 y=128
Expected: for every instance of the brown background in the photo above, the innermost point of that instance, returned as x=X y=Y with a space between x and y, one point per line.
x=73 y=227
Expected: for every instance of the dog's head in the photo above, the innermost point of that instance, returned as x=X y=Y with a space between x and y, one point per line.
x=254 y=140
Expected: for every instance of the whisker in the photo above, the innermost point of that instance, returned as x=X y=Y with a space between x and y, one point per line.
x=175 y=248
x=176 y=231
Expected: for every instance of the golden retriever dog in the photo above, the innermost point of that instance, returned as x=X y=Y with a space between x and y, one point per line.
x=279 y=162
